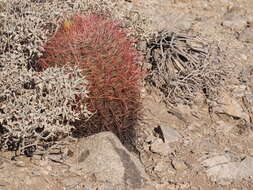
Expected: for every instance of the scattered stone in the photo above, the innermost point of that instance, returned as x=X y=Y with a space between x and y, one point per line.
x=161 y=166
x=185 y=186
x=224 y=127
x=104 y=156
x=166 y=187
x=71 y=182
x=179 y=165
x=169 y=134
x=38 y=172
x=159 y=147
x=246 y=35
x=87 y=186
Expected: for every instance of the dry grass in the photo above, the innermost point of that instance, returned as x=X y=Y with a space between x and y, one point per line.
x=38 y=107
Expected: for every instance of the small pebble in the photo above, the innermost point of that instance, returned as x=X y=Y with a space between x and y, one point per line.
x=178 y=165
x=39 y=172
x=20 y=163
x=158 y=146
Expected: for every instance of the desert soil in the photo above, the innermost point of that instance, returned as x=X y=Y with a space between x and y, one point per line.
x=205 y=146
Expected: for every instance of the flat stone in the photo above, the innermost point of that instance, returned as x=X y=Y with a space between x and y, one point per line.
x=246 y=167
x=179 y=165
x=220 y=173
x=220 y=159
x=222 y=170
x=71 y=181
x=20 y=163
x=230 y=106
x=169 y=134
x=39 y=172
x=159 y=147
x=161 y=166
x=166 y=186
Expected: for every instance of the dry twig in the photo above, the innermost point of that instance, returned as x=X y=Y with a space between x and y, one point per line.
x=183 y=65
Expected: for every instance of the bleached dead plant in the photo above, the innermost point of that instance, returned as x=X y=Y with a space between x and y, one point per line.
x=36 y=108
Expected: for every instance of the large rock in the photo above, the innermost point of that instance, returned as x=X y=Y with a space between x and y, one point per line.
x=103 y=156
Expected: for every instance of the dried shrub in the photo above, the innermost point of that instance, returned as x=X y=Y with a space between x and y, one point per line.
x=25 y=25
x=36 y=108
x=181 y=66
x=101 y=48
x=31 y=118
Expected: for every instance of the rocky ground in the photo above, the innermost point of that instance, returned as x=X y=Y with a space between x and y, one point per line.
x=206 y=146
